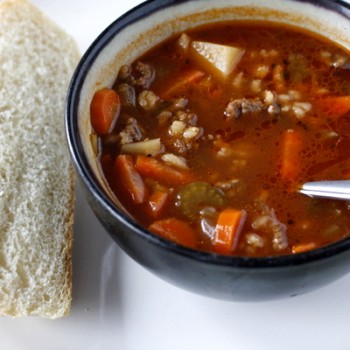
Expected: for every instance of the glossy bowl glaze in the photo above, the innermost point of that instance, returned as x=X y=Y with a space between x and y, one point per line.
x=229 y=278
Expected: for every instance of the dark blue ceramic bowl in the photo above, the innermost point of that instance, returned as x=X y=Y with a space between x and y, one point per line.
x=230 y=278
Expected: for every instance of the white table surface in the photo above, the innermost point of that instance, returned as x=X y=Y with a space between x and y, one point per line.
x=117 y=304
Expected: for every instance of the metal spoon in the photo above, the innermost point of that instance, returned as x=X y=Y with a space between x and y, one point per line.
x=338 y=189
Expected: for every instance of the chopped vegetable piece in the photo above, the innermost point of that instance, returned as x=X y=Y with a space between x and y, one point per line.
x=334 y=106
x=291 y=146
x=197 y=195
x=127 y=95
x=104 y=110
x=175 y=230
x=220 y=58
x=157 y=202
x=182 y=81
x=154 y=169
x=146 y=147
x=130 y=178
x=298 y=68
x=227 y=231
x=174 y=160
x=304 y=247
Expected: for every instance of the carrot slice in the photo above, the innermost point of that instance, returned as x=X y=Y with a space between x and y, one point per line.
x=291 y=148
x=185 y=79
x=151 y=167
x=104 y=110
x=157 y=202
x=131 y=180
x=175 y=230
x=227 y=230
x=303 y=247
x=334 y=106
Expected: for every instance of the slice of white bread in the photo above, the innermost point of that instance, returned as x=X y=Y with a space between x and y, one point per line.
x=37 y=59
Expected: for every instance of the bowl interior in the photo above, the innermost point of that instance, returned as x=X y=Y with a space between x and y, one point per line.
x=154 y=21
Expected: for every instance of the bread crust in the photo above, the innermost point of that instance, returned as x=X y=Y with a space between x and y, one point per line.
x=37 y=198
x=69 y=239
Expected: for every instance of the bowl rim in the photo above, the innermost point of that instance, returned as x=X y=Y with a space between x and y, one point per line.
x=83 y=168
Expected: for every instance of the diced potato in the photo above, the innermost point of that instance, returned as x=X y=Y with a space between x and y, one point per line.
x=221 y=58
x=146 y=147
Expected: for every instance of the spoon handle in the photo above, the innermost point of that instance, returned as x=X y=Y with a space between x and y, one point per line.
x=339 y=189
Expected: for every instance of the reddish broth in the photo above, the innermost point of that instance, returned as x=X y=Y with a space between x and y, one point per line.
x=213 y=161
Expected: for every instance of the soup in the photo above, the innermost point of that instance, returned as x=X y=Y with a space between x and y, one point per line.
x=206 y=138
